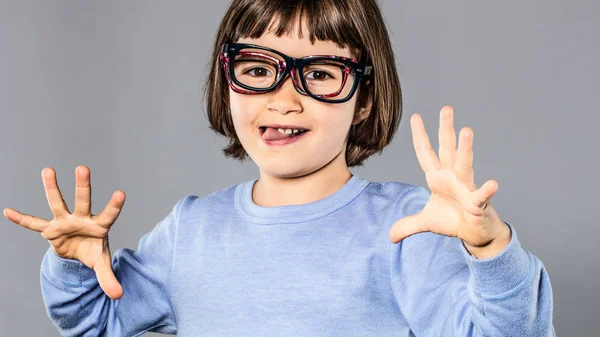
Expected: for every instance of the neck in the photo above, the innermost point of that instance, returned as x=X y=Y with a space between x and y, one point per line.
x=271 y=191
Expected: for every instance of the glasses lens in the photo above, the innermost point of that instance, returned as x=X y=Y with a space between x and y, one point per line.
x=327 y=79
x=256 y=68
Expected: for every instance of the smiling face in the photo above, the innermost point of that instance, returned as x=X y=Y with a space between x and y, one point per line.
x=262 y=121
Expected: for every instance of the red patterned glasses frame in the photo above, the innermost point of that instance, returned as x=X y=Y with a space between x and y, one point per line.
x=285 y=66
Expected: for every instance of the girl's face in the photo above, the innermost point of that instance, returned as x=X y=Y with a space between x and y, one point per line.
x=327 y=124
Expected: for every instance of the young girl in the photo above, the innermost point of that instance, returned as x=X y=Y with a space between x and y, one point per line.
x=306 y=89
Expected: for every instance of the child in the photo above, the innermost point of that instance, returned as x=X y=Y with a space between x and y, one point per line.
x=306 y=89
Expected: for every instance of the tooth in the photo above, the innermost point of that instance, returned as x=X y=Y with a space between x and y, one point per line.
x=281 y=130
x=295 y=130
x=288 y=131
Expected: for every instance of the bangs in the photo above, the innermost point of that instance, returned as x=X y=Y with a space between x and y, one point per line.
x=326 y=20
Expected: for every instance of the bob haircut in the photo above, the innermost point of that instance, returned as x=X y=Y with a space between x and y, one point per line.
x=356 y=24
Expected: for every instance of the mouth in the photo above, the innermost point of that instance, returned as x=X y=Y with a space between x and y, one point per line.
x=276 y=134
x=283 y=129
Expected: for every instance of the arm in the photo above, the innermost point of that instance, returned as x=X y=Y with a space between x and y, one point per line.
x=78 y=307
x=444 y=291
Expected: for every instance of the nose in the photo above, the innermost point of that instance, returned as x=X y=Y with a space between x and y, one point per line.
x=285 y=98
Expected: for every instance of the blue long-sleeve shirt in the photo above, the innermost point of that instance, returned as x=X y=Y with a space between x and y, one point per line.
x=221 y=265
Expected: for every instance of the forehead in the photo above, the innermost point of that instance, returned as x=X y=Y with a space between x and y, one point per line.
x=296 y=42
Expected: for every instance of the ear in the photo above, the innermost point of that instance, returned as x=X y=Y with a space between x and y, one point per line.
x=364 y=103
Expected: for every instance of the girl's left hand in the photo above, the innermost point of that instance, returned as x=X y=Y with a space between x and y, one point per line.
x=456 y=207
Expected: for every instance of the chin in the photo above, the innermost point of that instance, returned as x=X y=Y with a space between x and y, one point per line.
x=285 y=170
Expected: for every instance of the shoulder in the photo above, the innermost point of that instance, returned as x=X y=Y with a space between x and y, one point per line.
x=402 y=195
x=389 y=189
x=193 y=204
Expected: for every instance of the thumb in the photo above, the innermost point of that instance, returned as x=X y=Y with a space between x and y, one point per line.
x=406 y=227
x=107 y=279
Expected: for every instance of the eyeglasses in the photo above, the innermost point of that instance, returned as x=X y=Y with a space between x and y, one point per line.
x=252 y=69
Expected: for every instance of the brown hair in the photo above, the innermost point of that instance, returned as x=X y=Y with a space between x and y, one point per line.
x=357 y=24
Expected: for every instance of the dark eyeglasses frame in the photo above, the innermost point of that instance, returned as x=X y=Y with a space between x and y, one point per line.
x=230 y=50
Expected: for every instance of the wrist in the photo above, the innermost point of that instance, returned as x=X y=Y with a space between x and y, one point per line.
x=493 y=248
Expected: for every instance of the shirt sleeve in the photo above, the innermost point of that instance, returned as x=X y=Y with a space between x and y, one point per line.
x=77 y=306
x=444 y=291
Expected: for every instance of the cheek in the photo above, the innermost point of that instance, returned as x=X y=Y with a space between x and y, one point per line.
x=244 y=110
x=336 y=119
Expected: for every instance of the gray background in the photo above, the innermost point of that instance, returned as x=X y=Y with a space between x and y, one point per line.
x=116 y=85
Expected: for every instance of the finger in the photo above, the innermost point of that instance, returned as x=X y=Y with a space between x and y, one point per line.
x=83 y=191
x=107 y=279
x=464 y=158
x=447 y=138
x=55 y=199
x=425 y=154
x=26 y=221
x=406 y=227
x=111 y=212
x=482 y=196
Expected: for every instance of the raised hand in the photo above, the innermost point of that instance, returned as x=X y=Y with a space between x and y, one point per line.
x=456 y=207
x=79 y=235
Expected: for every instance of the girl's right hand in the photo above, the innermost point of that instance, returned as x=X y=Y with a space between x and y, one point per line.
x=79 y=235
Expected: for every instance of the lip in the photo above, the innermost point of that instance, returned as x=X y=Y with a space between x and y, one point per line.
x=284 y=141
x=284 y=126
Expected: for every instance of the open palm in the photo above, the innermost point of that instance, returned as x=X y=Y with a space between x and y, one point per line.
x=79 y=235
x=456 y=207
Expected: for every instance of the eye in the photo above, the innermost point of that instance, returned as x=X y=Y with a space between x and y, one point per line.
x=259 y=72
x=317 y=75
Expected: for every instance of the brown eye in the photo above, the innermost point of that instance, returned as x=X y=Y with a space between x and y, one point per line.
x=259 y=72
x=317 y=75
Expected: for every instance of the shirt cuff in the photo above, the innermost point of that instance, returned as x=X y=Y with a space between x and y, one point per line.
x=66 y=272
x=502 y=273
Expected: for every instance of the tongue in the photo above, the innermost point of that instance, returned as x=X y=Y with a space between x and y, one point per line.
x=273 y=134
